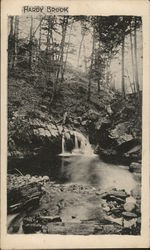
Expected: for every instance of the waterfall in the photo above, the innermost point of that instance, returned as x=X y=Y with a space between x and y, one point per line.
x=63 y=144
x=81 y=145
x=76 y=141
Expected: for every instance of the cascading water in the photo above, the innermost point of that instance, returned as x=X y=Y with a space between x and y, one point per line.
x=81 y=145
x=63 y=144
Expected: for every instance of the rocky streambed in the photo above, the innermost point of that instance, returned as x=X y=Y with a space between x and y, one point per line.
x=38 y=205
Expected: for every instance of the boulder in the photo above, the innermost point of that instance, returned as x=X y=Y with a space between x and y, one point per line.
x=135 y=167
x=136 y=192
x=120 y=133
x=129 y=206
x=91 y=115
x=129 y=215
x=130 y=223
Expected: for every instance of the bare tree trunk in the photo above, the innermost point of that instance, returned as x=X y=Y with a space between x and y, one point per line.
x=11 y=26
x=31 y=40
x=11 y=44
x=131 y=86
x=80 y=48
x=136 y=63
x=98 y=85
x=85 y=61
x=123 y=79
x=132 y=58
x=91 y=66
x=98 y=81
x=64 y=29
x=68 y=46
x=16 y=34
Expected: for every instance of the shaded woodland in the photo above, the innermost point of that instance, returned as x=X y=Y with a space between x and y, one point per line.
x=71 y=78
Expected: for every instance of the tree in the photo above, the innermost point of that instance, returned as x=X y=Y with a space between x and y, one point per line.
x=123 y=74
x=135 y=51
x=64 y=24
x=31 y=43
x=91 y=65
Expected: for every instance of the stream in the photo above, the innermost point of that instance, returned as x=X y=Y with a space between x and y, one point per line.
x=79 y=168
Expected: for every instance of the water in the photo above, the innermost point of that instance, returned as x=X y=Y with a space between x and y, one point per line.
x=79 y=166
x=92 y=171
x=81 y=145
x=84 y=167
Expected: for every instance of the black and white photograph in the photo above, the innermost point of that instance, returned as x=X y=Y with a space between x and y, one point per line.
x=74 y=123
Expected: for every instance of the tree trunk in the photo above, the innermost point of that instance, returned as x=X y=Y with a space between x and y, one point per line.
x=61 y=69
x=91 y=66
x=80 y=48
x=30 y=43
x=16 y=34
x=99 y=70
x=98 y=85
x=68 y=46
x=132 y=58
x=136 y=63
x=123 y=79
x=85 y=62
x=11 y=44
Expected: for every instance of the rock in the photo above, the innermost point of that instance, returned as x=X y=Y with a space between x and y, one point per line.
x=45 y=178
x=97 y=193
x=76 y=122
x=129 y=215
x=131 y=199
x=31 y=228
x=138 y=209
x=28 y=176
x=129 y=223
x=43 y=108
x=136 y=192
x=84 y=123
x=91 y=115
x=23 y=193
x=119 y=193
x=49 y=219
x=114 y=220
x=109 y=110
x=129 y=206
x=120 y=133
x=138 y=220
x=115 y=198
x=106 y=208
x=135 y=167
x=116 y=211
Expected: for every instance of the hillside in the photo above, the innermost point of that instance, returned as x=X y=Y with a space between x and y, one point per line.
x=105 y=118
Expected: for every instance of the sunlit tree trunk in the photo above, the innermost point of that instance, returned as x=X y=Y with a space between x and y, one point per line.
x=68 y=46
x=136 y=62
x=16 y=34
x=30 y=43
x=62 y=45
x=85 y=61
x=132 y=59
x=91 y=66
x=123 y=78
x=82 y=39
x=98 y=81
